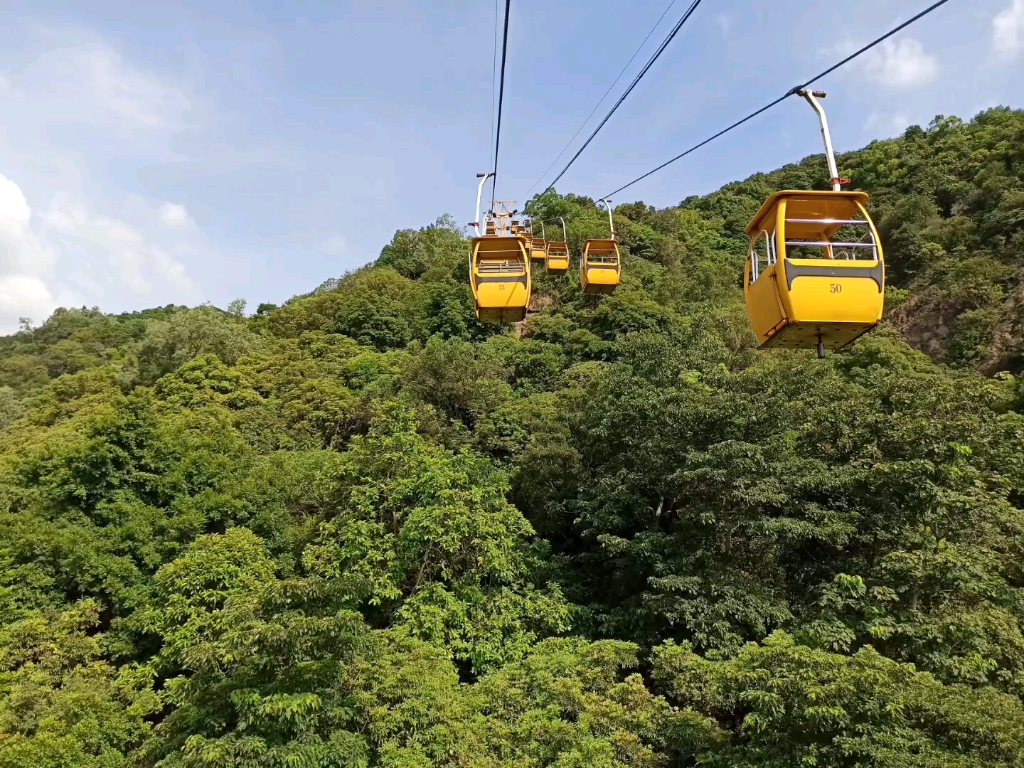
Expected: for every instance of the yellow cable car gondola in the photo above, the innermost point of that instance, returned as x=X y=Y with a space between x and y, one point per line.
x=600 y=262
x=499 y=269
x=539 y=249
x=527 y=238
x=558 y=258
x=500 y=274
x=815 y=272
x=558 y=253
x=538 y=245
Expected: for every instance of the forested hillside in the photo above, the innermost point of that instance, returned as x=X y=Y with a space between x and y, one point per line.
x=361 y=529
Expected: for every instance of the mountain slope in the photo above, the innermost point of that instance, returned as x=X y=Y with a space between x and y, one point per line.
x=361 y=529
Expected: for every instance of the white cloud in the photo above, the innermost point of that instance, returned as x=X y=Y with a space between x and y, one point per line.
x=23 y=296
x=89 y=130
x=724 y=23
x=20 y=250
x=14 y=211
x=24 y=261
x=898 y=65
x=333 y=246
x=173 y=216
x=1008 y=30
x=52 y=260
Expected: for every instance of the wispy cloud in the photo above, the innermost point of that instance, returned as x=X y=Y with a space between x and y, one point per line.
x=173 y=216
x=1008 y=30
x=886 y=124
x=71 y=79
x=333 y=246
x=724 y=21
x=898 y=65
x=128 y=256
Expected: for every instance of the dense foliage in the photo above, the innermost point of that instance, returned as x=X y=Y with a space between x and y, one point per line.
x=361 y=529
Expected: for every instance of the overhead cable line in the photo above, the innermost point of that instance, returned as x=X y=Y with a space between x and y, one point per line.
x=785 y=96
x=601 y=100
x=501 y=99
x=494 y=78
x=647 y=66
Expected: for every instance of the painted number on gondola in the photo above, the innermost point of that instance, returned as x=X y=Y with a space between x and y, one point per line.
x=835 y=288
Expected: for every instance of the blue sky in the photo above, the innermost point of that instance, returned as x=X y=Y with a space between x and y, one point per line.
x=190 y=152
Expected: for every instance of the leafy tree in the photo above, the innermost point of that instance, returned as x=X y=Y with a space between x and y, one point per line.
x=186 y=335
x=61 y=703
x=782 y=704
x=435 y=546
x=363 y=529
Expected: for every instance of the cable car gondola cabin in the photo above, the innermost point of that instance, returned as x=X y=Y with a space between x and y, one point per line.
x=527 y=238
x=538 y=249
x=815 y=273
x=557 y=258
x=600 y=266
x=500 y=273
